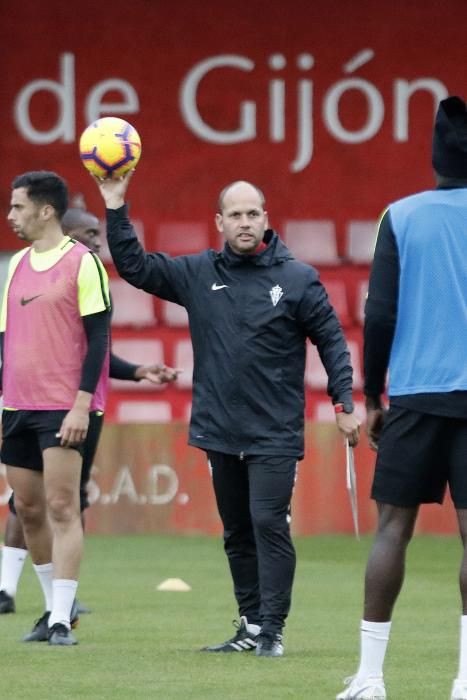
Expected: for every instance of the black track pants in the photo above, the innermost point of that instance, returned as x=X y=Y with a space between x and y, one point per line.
x=253 y=497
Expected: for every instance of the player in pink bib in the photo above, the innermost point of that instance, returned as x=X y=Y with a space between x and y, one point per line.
x=54 y=331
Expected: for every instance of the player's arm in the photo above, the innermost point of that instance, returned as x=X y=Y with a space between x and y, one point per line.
x=380 y=324
x=156 y=373
x=155 y=273
x=94 y=306
x=381 y=310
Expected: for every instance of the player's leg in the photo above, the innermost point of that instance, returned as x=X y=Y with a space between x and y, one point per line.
x=14 y=553
x=21 y=454
x=62 y=471
x=383 y=581
x=458 y=487
x=386 y=563
x=96 y=420
x=230 y=482
x=271 y=484
x=14 y=535
x=30 y=505
x=409 y=471
x=460 y=683
x=31 y=508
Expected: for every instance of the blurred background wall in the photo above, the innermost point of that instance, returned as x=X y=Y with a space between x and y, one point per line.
x=326 y=105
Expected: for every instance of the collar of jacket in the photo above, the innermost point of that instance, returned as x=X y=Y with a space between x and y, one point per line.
x=275 y=253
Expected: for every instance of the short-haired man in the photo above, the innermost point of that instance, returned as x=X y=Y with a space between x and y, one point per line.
x=84 y=227
x=56 y=298
x=251 y=308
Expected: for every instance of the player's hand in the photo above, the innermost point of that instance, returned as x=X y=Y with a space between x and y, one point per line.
x=157 y=374
x=349 y=426
x=375 y=416
x=113 y=190
x=74 y=427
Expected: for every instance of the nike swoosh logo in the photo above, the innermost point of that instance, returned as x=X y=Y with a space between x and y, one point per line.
x=215 y=286
x=26 y=301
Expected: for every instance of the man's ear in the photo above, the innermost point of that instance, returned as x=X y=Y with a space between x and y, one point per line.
x=47 y=212
x=219 y=223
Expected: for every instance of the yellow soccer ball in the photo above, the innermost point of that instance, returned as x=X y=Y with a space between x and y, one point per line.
x=110 y=147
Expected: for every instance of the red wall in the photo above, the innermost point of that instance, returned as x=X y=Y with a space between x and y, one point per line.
x=356 y=81
x=364 y=56
x=147 y=479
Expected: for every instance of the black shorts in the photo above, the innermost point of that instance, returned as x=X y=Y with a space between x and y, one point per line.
x=96 y=420
x=27 y=433
x=418 y=455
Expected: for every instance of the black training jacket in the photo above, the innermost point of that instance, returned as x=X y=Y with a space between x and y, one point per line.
x=249 y=319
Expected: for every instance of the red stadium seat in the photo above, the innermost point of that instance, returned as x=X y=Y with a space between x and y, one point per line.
x=104 y=252
x=181 y=238
x=312 y=241
x=183 y=358
x=173 y=315
x=131 y=306
x=355 y=359
x=360 y=299
x=361 y=239
x=187 y=413
x=140 y=351
x=144 y=412
x=315 y=374
x=337 y=293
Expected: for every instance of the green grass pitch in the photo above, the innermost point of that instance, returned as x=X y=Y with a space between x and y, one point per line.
x=140 y=643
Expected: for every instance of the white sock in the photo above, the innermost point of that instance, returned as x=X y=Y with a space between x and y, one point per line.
x=374 y=637
x=13 y=560
x=45 y=575
x=64 y=594
x=253 y=629
x=463 y=649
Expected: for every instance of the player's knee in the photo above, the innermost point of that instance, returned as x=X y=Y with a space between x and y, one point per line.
x=31 y=513
x=396 y=531
x=266 y=522
x=62 y=508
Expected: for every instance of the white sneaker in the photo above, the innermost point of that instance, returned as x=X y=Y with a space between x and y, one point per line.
x=371 y=688
x=459 y=690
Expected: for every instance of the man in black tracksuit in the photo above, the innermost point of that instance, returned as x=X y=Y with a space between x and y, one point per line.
x=251 y=308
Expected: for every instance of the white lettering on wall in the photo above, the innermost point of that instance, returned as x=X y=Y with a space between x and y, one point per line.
x=64 y=93
x=331 y=107
x=403 y=91
x=189 y=106
x=375 y=105
x=124 y=486
x=163 y=484
x=200 y=122
x=161 y=487
x=95 y=108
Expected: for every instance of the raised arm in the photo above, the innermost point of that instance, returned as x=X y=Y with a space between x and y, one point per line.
x=155 y=273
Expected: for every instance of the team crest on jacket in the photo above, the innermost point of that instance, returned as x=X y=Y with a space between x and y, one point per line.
x=276 y=293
